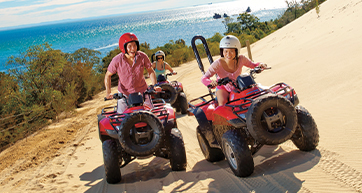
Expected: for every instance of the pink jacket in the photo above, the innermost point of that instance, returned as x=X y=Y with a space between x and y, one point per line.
x=216 y=68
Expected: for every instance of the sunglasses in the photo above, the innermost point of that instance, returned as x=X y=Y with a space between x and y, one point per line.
x=159 y=58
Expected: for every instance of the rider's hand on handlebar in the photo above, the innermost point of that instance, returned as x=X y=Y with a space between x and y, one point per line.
x=213 y=84
x=109 y=96
x=174 y=72
x=157 y=88
x=263 y=66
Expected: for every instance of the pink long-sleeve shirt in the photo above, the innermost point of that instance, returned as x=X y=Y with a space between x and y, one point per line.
x=216 y=68
x=131 y=77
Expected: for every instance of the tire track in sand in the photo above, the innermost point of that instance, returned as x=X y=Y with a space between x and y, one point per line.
x=332 y=166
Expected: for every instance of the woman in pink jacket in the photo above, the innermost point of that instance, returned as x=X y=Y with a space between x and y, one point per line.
x=229 y=65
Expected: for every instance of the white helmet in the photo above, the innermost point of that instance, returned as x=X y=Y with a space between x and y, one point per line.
x=229 y=41
x=160 y=53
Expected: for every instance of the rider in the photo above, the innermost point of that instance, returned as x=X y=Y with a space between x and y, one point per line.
x=229 y=65
x=160 y=66
x=129 y=66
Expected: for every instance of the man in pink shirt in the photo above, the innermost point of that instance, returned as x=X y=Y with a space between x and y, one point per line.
x=129 y=66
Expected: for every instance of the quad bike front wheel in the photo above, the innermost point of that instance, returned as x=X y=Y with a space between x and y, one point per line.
x=111 y=160
x=271 y=119
x=237 y=153
x=211 y=154
x=170 y=93
x=141 y=133
x=177 y=152
x=306 y=136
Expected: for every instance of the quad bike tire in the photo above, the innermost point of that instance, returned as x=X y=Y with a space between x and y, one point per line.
x=306 y=136
x=154 y=134
x=111 y=161
x=237 y=153
x=170 y=94
x=182 y=100
x=271 y=119
x=177 y=150
x=211 y=154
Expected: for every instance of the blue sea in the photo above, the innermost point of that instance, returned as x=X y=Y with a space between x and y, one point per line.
x=156 y=28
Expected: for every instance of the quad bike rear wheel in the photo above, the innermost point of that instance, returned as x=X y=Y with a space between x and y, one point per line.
x=183 y=103
x=211 y=154
x=170 y=93
x=237 y=153
x=141 y=141
x=271 y=119
x=177 y=152
x=306 y=136
x=111 y=160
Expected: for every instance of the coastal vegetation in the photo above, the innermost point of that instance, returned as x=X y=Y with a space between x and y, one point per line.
x=46 y=84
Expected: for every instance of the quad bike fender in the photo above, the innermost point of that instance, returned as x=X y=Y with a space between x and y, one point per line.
x=244 y=93
x=169 y=125
x=222 y=114
x=179 y=87
x=105 y=128
x=170 y=122
x=133 y=109
x=171 y=112
x=205 y=127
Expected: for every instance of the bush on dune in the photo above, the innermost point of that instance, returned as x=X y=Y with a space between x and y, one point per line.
x=43 y=83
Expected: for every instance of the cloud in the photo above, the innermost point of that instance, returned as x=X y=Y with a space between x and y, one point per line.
x=20 y=12
x=44 y=11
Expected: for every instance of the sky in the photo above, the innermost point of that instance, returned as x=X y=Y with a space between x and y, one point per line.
x=29 y=12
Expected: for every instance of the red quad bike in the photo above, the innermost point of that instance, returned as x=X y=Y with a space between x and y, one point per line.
x=139 y=132
x=253 y=117
x=173 y=92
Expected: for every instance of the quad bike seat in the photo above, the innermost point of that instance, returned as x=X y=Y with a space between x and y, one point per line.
x=135 y=99
x=245 y=81
x=161 y=78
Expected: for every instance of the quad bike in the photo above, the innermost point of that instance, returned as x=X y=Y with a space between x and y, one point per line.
x=173 y=92
x=139 y=132
x=254 y=116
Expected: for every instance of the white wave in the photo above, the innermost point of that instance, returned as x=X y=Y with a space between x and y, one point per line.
x=108 y=46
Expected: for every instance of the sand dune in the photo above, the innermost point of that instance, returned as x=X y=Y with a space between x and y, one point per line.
x=318 y=56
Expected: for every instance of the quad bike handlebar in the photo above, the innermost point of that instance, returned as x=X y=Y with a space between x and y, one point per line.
x=116 y=96
x=150 y=90
x=168 y=74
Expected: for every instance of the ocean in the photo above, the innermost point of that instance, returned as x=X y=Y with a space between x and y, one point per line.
x=156 y=28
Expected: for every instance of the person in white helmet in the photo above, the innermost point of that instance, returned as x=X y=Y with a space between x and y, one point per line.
x=160 y=66
x=229 y=65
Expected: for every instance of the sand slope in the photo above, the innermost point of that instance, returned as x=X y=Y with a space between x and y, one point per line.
x=318 y=56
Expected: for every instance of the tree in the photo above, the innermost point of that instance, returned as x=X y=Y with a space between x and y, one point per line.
x=293 y=7
x=247 y=21
x=180 y=41
x=234 y=27
x=226 y=21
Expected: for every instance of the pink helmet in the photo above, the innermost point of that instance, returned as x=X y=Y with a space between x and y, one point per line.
x=125 y=39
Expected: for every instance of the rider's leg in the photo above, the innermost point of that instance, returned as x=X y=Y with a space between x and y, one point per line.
x=222 y=96
x=121 y=105
x=148 y=101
